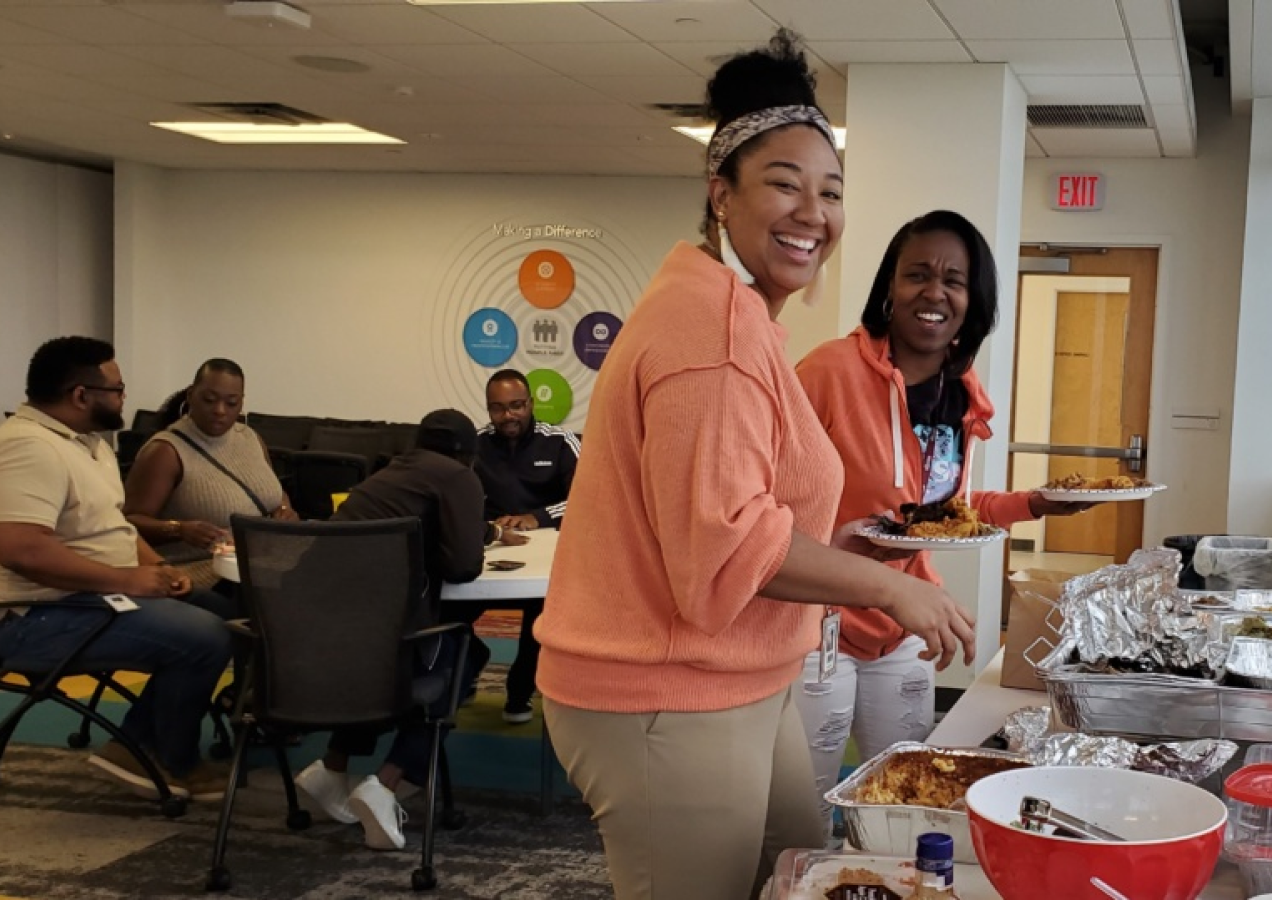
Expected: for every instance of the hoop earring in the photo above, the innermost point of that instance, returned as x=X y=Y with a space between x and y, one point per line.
x=729 y=256
x=184 y=408
x=887 y=309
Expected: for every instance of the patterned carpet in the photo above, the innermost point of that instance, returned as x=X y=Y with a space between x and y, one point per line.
x=70 y=835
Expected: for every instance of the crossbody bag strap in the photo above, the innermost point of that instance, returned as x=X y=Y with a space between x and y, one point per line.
x=224 y=471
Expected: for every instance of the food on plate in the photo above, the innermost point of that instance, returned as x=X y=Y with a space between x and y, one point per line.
x=1209 y=601
x=929 y=778
x=1252 y=626
x=1078 y=482
x=951 y=518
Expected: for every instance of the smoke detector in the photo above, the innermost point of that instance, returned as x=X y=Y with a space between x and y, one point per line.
x=268 y=13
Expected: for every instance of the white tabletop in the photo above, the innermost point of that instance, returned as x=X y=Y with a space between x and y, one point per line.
x=981 y=711
x=530 y=581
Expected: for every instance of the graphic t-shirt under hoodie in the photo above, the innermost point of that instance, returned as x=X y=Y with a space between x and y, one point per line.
x=860 y=398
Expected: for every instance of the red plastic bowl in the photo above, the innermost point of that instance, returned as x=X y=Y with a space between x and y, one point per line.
x=1174 y=832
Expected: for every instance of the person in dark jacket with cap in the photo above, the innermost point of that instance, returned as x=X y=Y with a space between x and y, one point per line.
x=435 y=482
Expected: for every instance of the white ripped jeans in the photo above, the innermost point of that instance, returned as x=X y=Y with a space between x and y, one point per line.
x=879 y=702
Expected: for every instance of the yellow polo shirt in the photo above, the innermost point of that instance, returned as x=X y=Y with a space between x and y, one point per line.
x=53 y=476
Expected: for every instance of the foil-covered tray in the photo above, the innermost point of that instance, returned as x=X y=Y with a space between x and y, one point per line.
x=892 y=830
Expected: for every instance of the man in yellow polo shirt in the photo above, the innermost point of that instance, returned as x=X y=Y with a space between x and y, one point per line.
x=65 y=546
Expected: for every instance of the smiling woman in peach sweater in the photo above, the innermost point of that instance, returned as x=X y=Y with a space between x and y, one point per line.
x=693 y=569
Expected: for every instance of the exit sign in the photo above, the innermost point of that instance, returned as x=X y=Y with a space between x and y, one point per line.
x=1077 y=191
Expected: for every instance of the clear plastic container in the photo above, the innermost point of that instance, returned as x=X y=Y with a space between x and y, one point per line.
x=1229 y=563
x=1248 y=836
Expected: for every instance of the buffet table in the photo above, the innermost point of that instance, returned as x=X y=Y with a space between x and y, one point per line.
x=980 y=712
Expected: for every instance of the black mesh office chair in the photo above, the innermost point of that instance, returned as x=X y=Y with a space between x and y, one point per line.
x=364 y=441
x=42 y=684
x=333 y=609
x=317 y=474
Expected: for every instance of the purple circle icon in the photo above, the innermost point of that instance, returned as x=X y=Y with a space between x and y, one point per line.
x=593 y=337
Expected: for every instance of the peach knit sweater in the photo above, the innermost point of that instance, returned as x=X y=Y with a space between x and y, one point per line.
x=701 y=454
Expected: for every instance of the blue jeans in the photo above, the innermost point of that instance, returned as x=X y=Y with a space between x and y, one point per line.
x=184 y=648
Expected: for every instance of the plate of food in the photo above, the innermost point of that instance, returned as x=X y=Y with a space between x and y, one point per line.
x=948 y=525
x=1077 y=488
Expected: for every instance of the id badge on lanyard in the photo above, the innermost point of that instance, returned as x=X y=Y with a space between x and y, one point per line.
x=828 y=656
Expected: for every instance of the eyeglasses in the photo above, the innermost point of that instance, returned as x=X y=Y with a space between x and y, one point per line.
x=101 y=387
x=515 y=406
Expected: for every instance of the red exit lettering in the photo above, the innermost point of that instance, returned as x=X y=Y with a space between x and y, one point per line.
x=1077 y=192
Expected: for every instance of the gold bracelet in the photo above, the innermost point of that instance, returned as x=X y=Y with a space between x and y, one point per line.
x=174 y=529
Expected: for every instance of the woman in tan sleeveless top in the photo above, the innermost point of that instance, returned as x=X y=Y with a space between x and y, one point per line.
x=178 y=498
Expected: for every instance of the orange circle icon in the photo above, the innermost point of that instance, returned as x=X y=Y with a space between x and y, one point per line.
x=546 y=279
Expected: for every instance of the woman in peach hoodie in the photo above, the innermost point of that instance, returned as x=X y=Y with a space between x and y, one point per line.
x=694 y=566
x=903 y=407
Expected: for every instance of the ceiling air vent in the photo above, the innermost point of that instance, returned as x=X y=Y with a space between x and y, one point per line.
x=681 y=110
x=1086 y=116
x=260 y=113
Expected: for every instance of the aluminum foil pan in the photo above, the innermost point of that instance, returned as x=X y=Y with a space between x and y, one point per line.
x=893 y=830
x=1249 y=663
x=1028 y=731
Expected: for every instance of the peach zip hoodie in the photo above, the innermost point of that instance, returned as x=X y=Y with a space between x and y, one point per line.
x=859 y=396
x=702 y=454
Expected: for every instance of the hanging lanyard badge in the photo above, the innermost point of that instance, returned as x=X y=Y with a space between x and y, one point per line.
x=828 y=655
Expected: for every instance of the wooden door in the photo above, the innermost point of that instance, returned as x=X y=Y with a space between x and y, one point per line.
x=1101 y=377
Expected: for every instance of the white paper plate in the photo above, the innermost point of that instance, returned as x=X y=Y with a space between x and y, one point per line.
x=879 y=537
x=1101 y=496
x=898 y=875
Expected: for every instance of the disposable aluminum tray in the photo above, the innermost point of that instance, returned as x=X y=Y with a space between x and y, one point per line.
x=893 y=830
x=1153 y=706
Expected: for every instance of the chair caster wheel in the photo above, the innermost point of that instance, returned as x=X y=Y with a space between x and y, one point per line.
x=220 y=750
x=423 y=879
x=299 y=820
x=453 y=819
x=174 y=807
x=218 y=880
x=77 y=740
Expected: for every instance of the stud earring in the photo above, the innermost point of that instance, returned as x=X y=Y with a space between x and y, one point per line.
x=729 y=256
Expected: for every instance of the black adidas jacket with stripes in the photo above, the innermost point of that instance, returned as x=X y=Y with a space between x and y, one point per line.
x=534 y=476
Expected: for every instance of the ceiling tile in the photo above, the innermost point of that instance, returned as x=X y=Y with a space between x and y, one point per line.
x=1149 y=19
x=13 y=32
x=1097 y=142
x=1032 y=19
x=551 y=23
x=583 y=60
x=859 y=20
x=1082 y=89
x=736 y=22
x=396 y=23
x=460 y=62
x=842 y=53
x=1165 y=89
x=1033 y=149
x=99 y=25
x=1157 y=57
x=645 y=91
x=1102 y=57
x=1172 y=116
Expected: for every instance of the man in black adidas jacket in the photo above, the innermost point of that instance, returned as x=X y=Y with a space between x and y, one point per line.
x=526 y=468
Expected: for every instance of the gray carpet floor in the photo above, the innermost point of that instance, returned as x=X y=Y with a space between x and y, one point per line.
x=66 y=834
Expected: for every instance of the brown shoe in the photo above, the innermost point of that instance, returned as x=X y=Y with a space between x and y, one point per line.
x=114 y=760
x=205 y=783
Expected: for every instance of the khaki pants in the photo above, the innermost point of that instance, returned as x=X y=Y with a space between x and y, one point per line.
x=692 y=806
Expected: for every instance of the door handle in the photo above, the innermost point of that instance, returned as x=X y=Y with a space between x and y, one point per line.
x=1133 y=453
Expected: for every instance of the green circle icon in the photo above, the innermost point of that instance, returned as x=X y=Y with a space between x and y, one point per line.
x=553 y=396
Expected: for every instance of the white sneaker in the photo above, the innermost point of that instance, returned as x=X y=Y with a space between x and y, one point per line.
x=328 y=789
x=380 y=814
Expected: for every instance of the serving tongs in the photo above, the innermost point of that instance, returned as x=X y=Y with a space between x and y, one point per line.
x=1035 y=813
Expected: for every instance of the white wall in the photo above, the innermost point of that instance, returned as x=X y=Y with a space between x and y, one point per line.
x=1194 y=209
x=345 y=295
x=55 y=261
x=1250 y=479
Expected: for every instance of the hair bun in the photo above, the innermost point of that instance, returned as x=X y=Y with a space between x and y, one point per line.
x=776 y=75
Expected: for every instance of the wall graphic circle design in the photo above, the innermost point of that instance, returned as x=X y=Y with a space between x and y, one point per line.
x=490 y=337
x=553 y=396
x=546 y=279
x=593 y=337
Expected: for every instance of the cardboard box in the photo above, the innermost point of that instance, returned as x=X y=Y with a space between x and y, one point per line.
x=1033 y=593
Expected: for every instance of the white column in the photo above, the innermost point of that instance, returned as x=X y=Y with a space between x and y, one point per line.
x=924 y=137
x=1250 y=471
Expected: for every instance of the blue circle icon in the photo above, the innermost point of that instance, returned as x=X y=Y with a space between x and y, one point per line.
x=490 y=337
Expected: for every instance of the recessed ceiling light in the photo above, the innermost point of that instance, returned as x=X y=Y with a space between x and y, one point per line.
x=702 y=134
x=331 y=64
x=306 y=133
